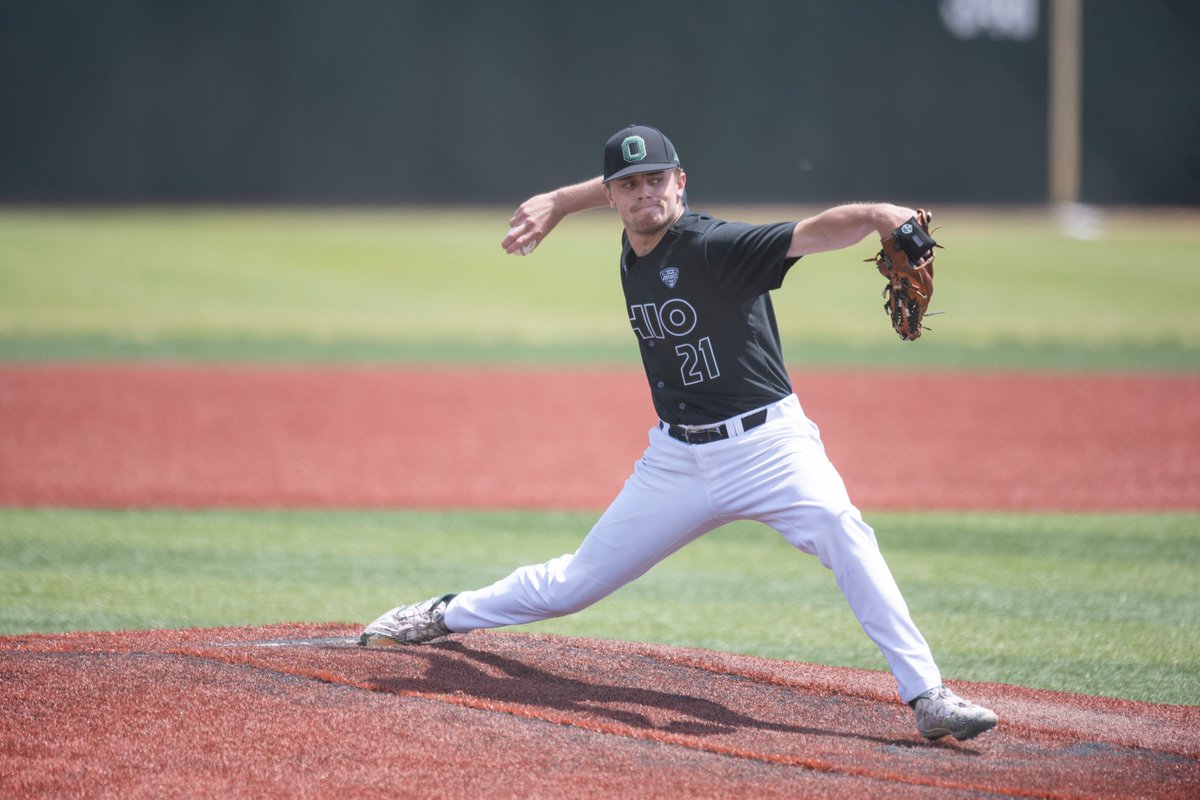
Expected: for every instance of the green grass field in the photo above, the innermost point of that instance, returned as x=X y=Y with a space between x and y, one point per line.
x=1100 y=604
x=431 y=286
x=1104 y=604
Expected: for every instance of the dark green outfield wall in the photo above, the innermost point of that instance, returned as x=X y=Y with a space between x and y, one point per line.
x=434 y=101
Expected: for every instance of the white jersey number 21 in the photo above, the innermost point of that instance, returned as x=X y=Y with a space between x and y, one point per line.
x=699 y=362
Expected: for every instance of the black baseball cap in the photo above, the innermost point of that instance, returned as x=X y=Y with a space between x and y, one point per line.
x=638 y=148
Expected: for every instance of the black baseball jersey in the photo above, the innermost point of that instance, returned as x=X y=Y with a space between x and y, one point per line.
x=700 y=306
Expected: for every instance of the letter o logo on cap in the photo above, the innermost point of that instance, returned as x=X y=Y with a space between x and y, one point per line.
x=633 y=148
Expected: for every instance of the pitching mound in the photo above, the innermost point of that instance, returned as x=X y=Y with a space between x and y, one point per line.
x=300 y=711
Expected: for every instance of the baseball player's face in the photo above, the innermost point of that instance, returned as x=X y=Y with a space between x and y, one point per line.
x=648 y=202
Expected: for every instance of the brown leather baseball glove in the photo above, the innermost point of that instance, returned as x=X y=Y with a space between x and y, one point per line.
x=906 y=260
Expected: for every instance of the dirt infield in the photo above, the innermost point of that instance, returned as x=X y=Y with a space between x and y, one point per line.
x=299 y=711
x=197 y=436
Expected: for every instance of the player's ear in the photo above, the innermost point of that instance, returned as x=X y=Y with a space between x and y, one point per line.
x=680 y=179
x=611 y=203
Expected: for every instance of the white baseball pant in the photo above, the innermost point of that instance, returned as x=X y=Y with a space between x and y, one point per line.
x=778 y=474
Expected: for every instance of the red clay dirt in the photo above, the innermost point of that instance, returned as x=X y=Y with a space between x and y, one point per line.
x=298 y=711
x=202 y=436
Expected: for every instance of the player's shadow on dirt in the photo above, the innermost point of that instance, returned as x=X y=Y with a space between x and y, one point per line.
x=455 y=668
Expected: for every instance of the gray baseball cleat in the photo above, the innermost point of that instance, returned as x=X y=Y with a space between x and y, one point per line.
x=412 y=624
x=940 y=712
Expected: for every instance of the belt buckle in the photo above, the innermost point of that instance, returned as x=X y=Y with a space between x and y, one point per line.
x=705 y=435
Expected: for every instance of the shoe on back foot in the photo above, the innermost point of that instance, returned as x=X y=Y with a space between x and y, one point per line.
x=940 y=712
x=410 y=624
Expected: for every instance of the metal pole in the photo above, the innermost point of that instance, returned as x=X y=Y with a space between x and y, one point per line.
x=1066 y=101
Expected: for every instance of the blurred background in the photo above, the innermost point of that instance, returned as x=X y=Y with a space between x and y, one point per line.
x=456 y=102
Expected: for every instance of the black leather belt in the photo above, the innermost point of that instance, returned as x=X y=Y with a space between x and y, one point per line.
x=715 y=433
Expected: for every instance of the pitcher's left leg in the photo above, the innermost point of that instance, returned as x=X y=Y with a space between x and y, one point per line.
x=846 y=545
x=793 y=487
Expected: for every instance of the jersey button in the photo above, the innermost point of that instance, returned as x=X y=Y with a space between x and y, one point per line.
x=682 y=406
x=660 y=384
x=650 y=343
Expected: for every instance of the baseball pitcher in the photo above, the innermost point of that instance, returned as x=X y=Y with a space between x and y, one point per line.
x=732 y=441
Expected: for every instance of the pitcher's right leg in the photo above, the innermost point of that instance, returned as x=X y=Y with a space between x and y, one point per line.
x=662 y=507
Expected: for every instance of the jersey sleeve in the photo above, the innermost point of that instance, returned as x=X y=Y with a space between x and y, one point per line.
x=746 y=260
